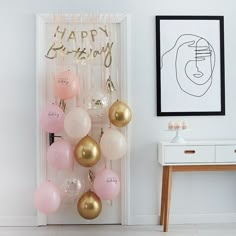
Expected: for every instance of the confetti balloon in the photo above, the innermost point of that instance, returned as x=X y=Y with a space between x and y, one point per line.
x=96 y=103
x=72 y=187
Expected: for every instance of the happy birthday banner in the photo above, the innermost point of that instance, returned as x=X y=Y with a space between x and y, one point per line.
x=80 y=53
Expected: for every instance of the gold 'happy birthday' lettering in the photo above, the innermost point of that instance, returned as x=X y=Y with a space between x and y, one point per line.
x=81 y=53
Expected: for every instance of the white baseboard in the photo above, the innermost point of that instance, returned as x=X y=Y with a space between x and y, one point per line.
x=144 y=220
x=184 y=219
x=137 y=220
x=18 y=221
x=203 y=218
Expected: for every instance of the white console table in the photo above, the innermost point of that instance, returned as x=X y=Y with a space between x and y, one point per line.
x=215 y=155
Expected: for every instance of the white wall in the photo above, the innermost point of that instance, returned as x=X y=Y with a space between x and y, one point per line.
x=193 y=193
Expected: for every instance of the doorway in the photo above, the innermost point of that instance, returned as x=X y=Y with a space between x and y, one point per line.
x=102 y=70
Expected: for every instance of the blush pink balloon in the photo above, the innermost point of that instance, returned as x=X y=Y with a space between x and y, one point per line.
x=52 y=119
x=66 y=85
x=60 y=155
x=106 y=184
x=47 y=198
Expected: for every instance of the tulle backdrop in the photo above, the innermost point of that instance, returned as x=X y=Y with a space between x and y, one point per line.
x=83 y=52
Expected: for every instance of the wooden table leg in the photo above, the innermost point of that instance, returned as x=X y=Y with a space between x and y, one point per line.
x=168 y=197
x=163 y=195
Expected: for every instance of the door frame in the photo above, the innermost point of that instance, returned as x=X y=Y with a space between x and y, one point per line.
x=42 y=139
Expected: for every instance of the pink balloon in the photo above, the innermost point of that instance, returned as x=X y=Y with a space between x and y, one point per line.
x=52 y=119
x=106 y=184
x=47 y=198
x=60 y=155
x=66 y=85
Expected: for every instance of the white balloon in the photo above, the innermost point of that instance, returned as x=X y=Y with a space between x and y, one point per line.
x=113 y=144
x=77 y=123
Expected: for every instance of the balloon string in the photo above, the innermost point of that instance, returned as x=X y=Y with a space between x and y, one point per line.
x=110 y=164
x=91 y=177
x=102 y=132
x=73 y=165
x=62 y=105
x=105 y=160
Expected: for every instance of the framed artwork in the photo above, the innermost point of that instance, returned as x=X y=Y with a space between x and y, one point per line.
x=190 y=65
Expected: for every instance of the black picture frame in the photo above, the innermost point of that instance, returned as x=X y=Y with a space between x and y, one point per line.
x=190 y=65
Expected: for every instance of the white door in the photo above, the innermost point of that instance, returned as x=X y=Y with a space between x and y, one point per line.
x=94 y=47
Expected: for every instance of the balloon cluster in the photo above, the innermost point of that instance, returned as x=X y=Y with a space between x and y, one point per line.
x=76 y=123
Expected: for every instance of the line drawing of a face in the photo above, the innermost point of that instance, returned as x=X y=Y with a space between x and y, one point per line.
x=194 y=63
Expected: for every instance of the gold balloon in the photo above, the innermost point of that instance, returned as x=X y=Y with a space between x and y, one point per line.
x=89 y=205
x=87 y=152
x=120 y=114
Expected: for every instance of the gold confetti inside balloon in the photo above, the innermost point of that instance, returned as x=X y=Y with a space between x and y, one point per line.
x=87 y=152
x=120 y=114
x=89 y=205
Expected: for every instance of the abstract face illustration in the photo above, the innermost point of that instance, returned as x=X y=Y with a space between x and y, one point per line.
x=194 y=63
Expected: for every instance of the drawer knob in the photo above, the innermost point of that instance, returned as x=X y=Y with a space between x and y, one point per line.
x=190 y=151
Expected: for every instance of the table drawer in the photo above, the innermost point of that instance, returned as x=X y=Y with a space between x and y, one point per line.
x=226 y=153
x=189 y=154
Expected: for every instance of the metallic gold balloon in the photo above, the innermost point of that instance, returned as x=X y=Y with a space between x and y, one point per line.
x=89 y=205
x=87 y=152
x=120 y=114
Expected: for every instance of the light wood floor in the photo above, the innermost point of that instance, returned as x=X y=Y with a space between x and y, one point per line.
x=117 y=230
